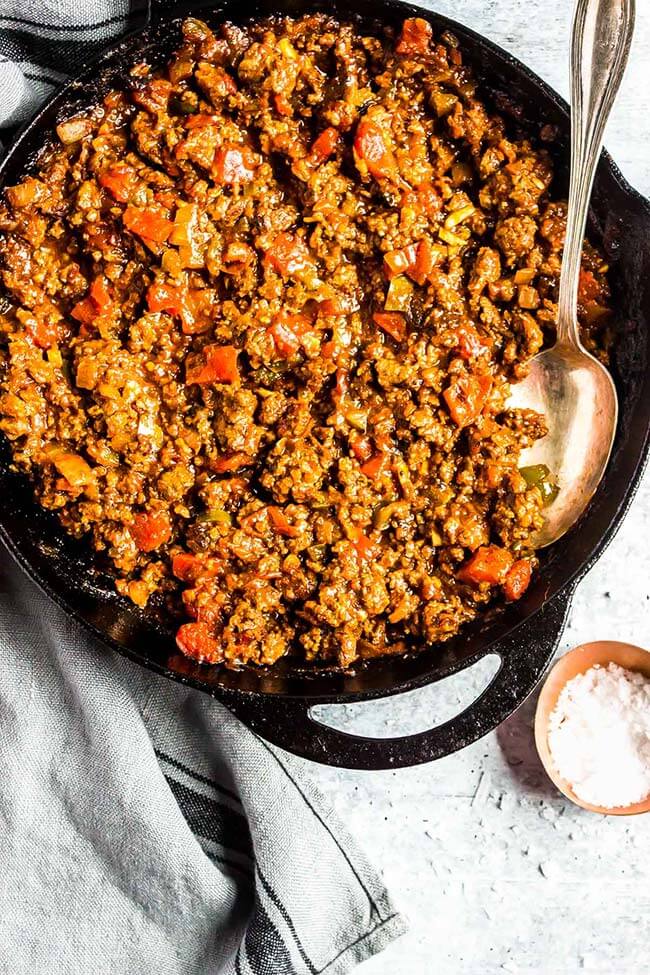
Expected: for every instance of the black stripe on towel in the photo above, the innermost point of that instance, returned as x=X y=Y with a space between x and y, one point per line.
x=273 y=897
x=373 y=907
x=266 y=952
x=197 y=776
x=212 y=820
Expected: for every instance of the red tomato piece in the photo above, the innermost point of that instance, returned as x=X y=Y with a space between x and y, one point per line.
x=466 y=397
x=150 y=224
x=415 y=37
x=234 y=164
x=201 y=121
x=100 y=294
x=186 y=566
x=365 y=547
x=231 y=463
x=120 y=180
x=97 y=302
x=288 y=255
x=391 y=322
x=374 y=467
x=425 y=261
x=517 y=580
x=196 y=641
x=470 y=343
x=282 y=105
x=360 y=447
x=324 y=145
x=213 y=364
x=150 y=530
x=588 y=288
x=490 y=563
x=280 y=523
x=371 y=147
x=288 y=332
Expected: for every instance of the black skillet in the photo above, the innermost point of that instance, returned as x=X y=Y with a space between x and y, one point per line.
x=277 y=703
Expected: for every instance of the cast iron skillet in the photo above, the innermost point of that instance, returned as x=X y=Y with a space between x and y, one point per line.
x=277 y=703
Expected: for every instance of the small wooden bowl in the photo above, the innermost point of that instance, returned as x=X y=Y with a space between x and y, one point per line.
x=576 y=662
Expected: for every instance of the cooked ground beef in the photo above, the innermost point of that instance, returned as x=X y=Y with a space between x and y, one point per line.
x=262 y=311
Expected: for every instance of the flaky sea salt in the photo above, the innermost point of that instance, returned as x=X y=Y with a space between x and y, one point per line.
x=599 y=736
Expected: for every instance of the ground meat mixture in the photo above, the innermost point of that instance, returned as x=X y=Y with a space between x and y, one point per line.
x=262 y=309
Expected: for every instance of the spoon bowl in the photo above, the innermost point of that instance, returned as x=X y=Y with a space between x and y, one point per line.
x=572 y=389
x=577 y=396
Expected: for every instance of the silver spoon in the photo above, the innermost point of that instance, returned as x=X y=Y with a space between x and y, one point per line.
x=565 y=383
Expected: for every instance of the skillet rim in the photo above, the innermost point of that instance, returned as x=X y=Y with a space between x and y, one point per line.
x=142 y=37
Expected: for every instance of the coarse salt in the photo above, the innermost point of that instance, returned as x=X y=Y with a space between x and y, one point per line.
x=599 y=736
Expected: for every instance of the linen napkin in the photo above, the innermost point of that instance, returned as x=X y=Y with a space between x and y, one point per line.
x=142 y=827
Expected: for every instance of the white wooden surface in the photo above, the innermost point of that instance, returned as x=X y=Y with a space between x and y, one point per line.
x=495 y=872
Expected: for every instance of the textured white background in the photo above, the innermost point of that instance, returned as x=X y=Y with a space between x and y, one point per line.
x=495 y=872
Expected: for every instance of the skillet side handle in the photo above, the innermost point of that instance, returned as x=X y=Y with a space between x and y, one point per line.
x=288 y=722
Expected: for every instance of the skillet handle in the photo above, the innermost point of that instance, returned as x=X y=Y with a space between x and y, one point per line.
x=288 y=722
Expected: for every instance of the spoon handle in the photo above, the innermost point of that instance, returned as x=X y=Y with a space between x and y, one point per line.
x=600 y=43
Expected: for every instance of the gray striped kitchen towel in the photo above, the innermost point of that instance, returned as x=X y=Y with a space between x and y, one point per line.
x=143 y=829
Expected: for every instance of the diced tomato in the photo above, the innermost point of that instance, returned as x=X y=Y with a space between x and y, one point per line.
x=338 y=305
x=282 y=105
x=391 y=322
x=400 y=261
x=425 y=262
x=371 y=148
x=288 y=332
x=417 y=260
x=360 y=447
x=186 y=566
x=415 y=37
x=150 y=224
x=97 y=302
x=233 y=462
x=150 y=530
x=588 y=288
x=196 y=641
x=494 y=473
x=234 y=164
x=280 y=523
x=470 y=343
x=375 y=466
x=324 y=145
x=365 y=547
x=180 y=301
x=120 y=180
x=490 y=563
x=201 y=121
x=100 y=294
x=466 y=397
x=213 y=364
x=85 y=311
x=44 y=334
x=288 y=255
x=517 y=580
